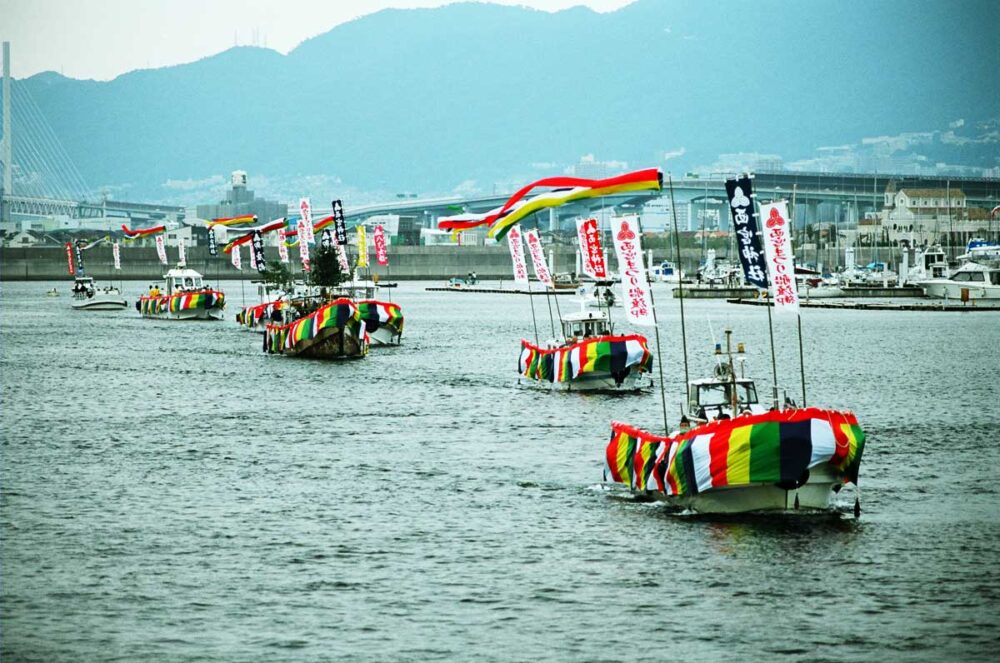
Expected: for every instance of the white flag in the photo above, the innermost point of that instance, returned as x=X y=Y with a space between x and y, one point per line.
x=160 y=249
x=517 y=255
x=282 y=249
x=116 y=252
x=181 y=257
x=342 y=259
x=253 y=258
x=235 y=257
x=635 y=288
x=780 y=262
x=538 y=257
x=305 y=224
x=303 y=247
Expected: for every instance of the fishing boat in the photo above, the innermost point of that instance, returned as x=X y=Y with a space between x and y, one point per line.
x=52 y=293
x=731 y=454
x=383 y=321
x=185 y=297
x=88 y=297
x=590 y=358
x=334 y=330
x=666 y=273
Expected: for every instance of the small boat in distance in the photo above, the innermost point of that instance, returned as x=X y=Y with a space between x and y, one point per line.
x=87 y=297
x=185 y=297
x=591 y=357
x=970 y=282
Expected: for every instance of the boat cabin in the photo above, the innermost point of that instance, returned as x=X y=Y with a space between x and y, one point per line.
x=933 y=263
x=586 y=324
x=711 y=397
x=83 y=286
x=182 y=279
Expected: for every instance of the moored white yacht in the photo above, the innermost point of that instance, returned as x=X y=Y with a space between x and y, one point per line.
x=970 y=282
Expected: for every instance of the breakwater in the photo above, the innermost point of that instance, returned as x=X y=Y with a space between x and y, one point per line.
x=140 y=263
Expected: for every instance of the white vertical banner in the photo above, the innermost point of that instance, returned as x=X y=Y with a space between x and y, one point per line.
x=116 y=253
x=303 y=247
x=181 y=256
x=517 y=255
x=305 y=224
x=253 y=257
x=635 y=287
x=780 y=261
x=282 y=249
x=591 y=257
x=161 y=250
x=538 y=257
x=235 y=257
x=342 y=259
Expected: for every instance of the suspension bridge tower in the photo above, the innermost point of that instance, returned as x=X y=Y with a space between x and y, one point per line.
x=5 y=143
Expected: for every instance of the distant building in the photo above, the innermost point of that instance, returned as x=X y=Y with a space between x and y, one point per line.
x=23 y=239
x=401 y=229
x=240 y=201
x=924 y=216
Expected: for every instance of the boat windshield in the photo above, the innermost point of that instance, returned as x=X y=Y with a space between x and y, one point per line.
x=585 y=328
x=720 y=393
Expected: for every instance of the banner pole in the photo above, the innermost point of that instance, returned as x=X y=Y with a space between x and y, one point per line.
x=802 y=365
x=680 y=285
x=659 y=352
x=534 y=323
x=774 y=363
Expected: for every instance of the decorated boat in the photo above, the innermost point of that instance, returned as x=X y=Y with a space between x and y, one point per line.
x=88 y=297
x=334 y=330
x=592 y=358
x=257 y=317
x=779 y=460
x=732 y=454
x=185 y=297
x=383 y=321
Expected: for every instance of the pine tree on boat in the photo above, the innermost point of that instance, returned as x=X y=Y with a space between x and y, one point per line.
x=335 y=330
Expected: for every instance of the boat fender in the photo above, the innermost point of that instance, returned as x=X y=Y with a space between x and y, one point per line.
x=796 y=501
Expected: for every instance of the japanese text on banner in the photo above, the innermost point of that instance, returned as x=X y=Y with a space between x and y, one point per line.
x=381 y=254
x=305 y=225
x=181 y=255
x=517 y=256
x=282 y=249
x=538 y=257
x=116 y=254
x=235 y=257
x=751 y=254
x=780 y=261
x=635 y=288
x=591 y=253
x=161 y=250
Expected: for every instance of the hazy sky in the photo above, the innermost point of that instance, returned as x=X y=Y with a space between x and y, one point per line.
x=104 y=38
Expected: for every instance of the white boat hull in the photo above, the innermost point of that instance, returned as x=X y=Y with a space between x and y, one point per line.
x=822 y=292
x=815 y=495
x=100 y=304
x=191 y=314
x=634 y=381
x=943 y=289
x=384 y=335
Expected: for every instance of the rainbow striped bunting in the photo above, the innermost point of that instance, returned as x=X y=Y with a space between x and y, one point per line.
x=233 y=221
x=773 y=447
x=567 y=189
x=338 y=314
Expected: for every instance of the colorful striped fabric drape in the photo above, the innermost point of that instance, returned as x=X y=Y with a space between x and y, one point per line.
x=142 y=232
x=376 y=314
x=233 y=221
x=567 y=189
x=251 y=315
x=338 y=314
x=243 y=239
x=616 y=355
x=773 y=447
x=183 y=301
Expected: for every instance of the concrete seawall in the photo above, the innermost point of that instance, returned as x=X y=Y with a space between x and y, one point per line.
x=141 y=263
x=405 y=262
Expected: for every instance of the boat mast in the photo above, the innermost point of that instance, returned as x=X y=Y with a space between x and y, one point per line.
x=680 y=285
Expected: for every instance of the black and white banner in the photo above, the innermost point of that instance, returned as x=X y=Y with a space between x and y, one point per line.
x=258 y=251
x=745 y=225
x=213 y=249
x=339 y=223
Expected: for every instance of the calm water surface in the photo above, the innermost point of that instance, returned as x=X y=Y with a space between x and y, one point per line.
x=171 y=493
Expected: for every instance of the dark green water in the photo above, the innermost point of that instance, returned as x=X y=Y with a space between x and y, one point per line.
x=170 y=493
